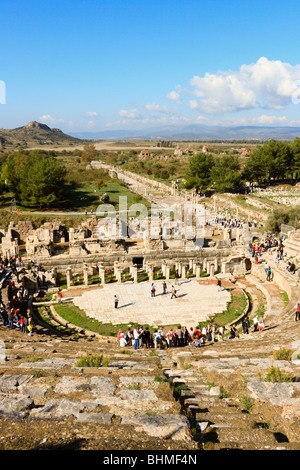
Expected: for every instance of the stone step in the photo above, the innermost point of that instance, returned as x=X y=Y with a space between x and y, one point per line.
x=243 y=435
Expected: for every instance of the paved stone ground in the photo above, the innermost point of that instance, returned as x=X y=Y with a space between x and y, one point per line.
x=194 y=303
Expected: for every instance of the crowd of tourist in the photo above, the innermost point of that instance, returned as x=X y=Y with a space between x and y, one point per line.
x=226 y=222
x=14 y=310
x=274 y=246
x=143 y=338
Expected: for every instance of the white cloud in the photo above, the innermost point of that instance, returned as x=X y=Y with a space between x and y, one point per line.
x=194 y=104
x=92 y=113
x=48 y=118
x=265 y=84
x=174 y=96
x=201 y=119
x=264 y=119
x=156 y=107
x=130 y=114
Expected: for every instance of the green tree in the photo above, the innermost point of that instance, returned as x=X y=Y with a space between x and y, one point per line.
x=89 y=152
x=33 y=179
x=290 y=216
x=198 y=175
x=272 y=160
x=226 y=174
x=295 y=150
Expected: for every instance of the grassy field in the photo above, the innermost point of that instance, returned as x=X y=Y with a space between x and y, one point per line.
x=74 y=315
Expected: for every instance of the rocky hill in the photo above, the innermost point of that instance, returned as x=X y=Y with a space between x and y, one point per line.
x=33 y=135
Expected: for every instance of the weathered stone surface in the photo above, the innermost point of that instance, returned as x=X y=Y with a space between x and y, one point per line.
x=98 y=386
x=165 y=426
x=33 y=391
x=285 y=395
x=135 y=395
x=98 y=418
x=15 y=408
x=72 y=384
x=15 y=404
x=10 y=383
x=127 y=381
x=102 y=386
x=48 y=364
x=57 y=410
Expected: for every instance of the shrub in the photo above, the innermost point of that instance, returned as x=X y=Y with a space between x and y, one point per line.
x=93 y=361
x=276 y=375
x=283 y=355
x=247 y=403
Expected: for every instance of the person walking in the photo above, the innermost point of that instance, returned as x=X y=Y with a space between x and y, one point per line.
x=246 y=325
x=173 y=293
x=153 y=290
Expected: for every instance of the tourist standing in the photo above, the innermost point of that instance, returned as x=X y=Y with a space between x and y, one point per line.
x=136 y=338
x=179 y=334
x=164 y=287
x=29 y=325
x=22 y=324
x=261 y=325
x=213 y=332
x=123 y=341
x=185 y=336
x=59 y=296
x=157 y=339
x=147 y=338
x=221 y=333
x=116 y=299
x=255 y=323
x=10 y=318
x=233 y=331
x=297 y=311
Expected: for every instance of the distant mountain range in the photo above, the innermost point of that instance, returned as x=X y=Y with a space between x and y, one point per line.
x=198 y=132
x=37 y=135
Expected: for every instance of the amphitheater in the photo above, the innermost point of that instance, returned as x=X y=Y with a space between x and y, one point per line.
x=216 y=397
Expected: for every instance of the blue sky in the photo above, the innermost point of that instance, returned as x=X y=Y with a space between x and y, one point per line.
x=112 y=64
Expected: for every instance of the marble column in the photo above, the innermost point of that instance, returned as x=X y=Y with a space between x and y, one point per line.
x=85 y=275
x=69 y=276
